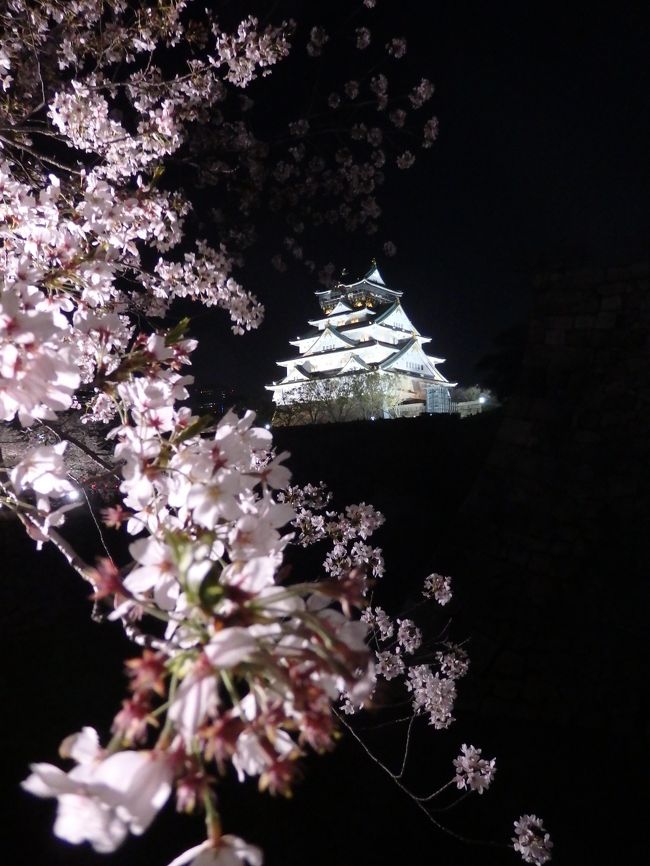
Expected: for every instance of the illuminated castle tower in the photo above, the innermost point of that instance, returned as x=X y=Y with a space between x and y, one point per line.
x=362 y=358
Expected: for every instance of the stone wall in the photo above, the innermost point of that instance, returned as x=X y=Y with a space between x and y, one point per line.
x=557 y=590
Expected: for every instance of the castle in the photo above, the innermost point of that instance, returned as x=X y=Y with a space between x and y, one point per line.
x=363 y=358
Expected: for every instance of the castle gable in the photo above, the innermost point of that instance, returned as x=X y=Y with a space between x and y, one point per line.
x=355 y=364
x=329 y=340
x=395 y=317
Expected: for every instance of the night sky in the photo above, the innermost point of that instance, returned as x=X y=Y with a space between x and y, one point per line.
x=541 y=163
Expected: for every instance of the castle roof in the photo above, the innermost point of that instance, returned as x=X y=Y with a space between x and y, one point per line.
x=364 y=313
x=369 y=290
x=357 y=344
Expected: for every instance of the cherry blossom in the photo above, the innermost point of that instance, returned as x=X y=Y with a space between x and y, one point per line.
x=397 y=47
x=81 y=817
x=195 y=700
x=405 y=160
x=363 y=37
x=378 y=619
x=43 y=470
x=103 y=797
x=531 y=840
x=453 y=661
x=438 y=587
x=409 y=636
x=432 y=694
x=390 y=665
x=473 y=771
x=318 y=37
x=421 y=93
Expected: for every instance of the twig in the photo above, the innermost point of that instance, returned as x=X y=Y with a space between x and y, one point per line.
x=80 y=566
x=406 y=748
x=410 y=795
x=39 y=156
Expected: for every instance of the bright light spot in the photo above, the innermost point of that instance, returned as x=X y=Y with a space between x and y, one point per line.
x=268 y=426
x=482 y=399
x=74 y=494
x=372 y=417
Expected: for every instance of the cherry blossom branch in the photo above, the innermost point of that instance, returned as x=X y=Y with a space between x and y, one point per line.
x=42 y=157
x=461 y=838
x=72 y=557
x=406 y=748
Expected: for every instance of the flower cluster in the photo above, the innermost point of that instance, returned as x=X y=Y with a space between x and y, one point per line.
x=409 y=636
x=347 y=530
x=397 y=645
x=318 y=37
x=473 y=771
x=438 y=587
x=379 y=620
x=453 y=661
x=248 y=667
x=397 y=48
x=251 y=48
x=110 y=96
x=531 y=840
x=364 y=38
x=432 y=694
x=390 y=665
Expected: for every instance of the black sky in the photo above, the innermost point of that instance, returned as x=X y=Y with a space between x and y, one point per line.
x=542 y=162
